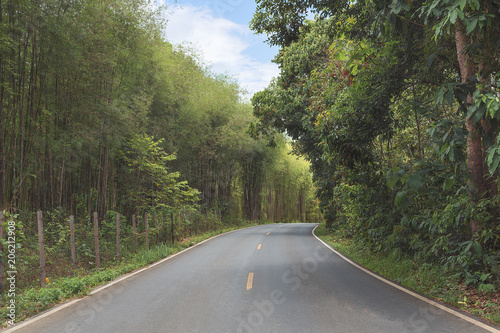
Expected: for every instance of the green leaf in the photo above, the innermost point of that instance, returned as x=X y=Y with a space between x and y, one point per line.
x=396 y=7
x=493 y=106
x=430 y=60
x=463 y=3
x=469 y=245
x=471 y=110
x=439 y=95
x=414 y=182
x=478 y=249
x=405 y=221
x=449 y=95
x=434 y=4
x=452 y=155
x=391 y=182
x=493 y=161
x=401 y=199
x=448 y=183
x=480 y=112
x=471 y=25
x=453 y=16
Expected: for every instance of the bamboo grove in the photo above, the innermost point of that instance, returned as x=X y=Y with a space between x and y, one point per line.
x=99 y=112
x=395 y=104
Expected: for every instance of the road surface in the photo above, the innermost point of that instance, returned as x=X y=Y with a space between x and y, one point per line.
x=269 y=278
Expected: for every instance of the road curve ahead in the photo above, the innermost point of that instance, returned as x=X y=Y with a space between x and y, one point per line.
x=269 y=278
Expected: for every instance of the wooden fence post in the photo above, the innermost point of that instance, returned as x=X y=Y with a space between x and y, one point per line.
x=43 y=274
x=215 y=220
x=164 y=228
x=118 y=236
x=134 y=227
x=180 y=230
x=195 y=225
x=72 y=241
x=96 y=239
x=190 y=234
x=172 y=227
x=206 y=222
x=147 y=229
x=157 y=232
x=2 y=236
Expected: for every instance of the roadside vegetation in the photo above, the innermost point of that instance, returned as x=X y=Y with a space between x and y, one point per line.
x=391 y=108
x=430 y=279
x=32 y=299
x=99 y=113
x=395 y=104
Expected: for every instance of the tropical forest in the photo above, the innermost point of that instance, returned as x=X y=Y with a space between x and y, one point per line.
x=382 y=127
x=396 y=104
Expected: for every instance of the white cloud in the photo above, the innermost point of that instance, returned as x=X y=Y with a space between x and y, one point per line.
x=223 y=44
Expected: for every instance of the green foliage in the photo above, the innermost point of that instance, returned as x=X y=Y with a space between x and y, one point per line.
x=432 y=279
x=153 y=185
x=86 y=86
x=33 y=300
x=72 y=286
x=389 y=126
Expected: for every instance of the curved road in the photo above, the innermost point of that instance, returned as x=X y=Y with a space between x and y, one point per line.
x=269 y=278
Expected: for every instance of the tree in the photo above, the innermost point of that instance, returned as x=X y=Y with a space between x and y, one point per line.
x=476 y=29
x=151 y=183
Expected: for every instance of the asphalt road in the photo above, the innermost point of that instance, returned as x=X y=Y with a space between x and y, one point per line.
x=270 y=278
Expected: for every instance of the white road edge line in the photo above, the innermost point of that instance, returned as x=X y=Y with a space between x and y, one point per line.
x=420 y=297
x=31 y=320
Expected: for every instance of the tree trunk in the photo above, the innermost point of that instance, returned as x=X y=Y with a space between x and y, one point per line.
x=475 y=152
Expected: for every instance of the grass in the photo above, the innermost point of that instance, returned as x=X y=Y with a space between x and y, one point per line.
x=428 y=279
x=32 y=301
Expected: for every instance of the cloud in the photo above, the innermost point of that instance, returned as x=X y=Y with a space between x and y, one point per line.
x=226 y=46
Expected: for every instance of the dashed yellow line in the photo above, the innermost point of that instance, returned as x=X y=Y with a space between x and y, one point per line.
x=250 y=281
x=258 y=247
x=268 y=233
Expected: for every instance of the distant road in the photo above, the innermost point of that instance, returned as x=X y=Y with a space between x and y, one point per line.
x=269 y=278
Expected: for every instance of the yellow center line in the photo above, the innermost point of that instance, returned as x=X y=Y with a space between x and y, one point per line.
x=250 y=281
x=258 y=247
x=268 y=233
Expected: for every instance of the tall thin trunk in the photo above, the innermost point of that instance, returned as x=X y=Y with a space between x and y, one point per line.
x=61 y=180
x=419 y=133
x=475 y=157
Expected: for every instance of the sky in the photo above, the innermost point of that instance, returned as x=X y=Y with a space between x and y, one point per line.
x=219 y=30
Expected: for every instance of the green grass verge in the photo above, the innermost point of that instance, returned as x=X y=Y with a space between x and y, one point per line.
x=32 y=301
x=428 y=279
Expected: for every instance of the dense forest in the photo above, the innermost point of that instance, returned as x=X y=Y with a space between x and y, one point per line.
x=99 y=112
x=395 y=104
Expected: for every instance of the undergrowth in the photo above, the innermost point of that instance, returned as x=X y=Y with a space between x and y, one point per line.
x=33 y=300
x=431 y=279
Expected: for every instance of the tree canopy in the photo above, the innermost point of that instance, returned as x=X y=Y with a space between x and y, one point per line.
x=395 y=104
x=99 y=112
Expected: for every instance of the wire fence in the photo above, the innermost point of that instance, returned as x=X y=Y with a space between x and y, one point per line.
x=37 y=247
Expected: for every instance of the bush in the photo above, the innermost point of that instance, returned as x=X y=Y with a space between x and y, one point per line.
x=72 y=286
